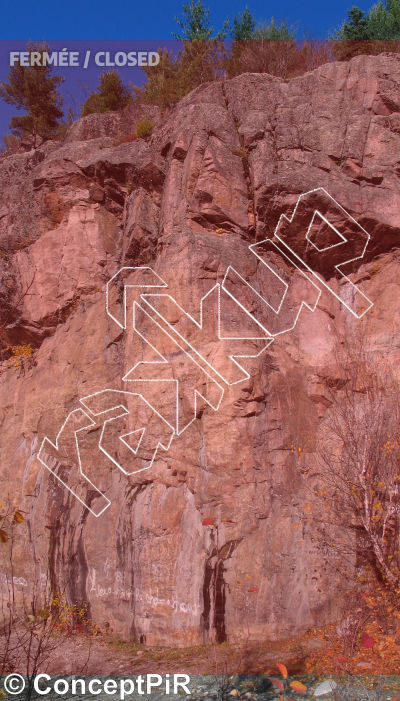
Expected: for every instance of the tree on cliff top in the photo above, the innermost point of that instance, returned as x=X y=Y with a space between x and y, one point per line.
x=371 y=33
x=273 y=50
x=244 y=25
x=196 y=23
x=111 y=95
x=173 y=78
x=33 y=89
x=382 y=23
x=384 y=20
x=356 y=28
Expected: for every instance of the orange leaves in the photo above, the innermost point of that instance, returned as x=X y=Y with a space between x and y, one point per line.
x=3 y=536
x=210 y=522
x=282 y=669
x=367 y=641
x=298 y=686
x=254 y=590
x=295 y=685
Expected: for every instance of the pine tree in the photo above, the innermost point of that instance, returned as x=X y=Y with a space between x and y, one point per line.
x=243 y=26
x=273 y=32
x=384 y=21
x=35 y=90
x=111 y=96
x=371 y=34
x=196 y=23
x=356 y=28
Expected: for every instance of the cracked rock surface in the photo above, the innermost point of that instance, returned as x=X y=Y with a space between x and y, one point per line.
x=215 y=176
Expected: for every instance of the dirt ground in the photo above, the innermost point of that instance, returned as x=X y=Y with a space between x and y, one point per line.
x=315 y=652
x=244 y=671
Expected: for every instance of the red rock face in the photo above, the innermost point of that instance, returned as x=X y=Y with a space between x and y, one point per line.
x=214 y=179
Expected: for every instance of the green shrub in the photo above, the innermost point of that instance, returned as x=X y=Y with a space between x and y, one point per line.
x=144 y=127
x=111 y=96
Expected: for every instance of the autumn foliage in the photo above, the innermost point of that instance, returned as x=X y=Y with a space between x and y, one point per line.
x=355 y=474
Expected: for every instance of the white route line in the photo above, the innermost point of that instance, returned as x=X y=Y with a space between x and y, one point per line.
x=159 y=282
x=145 y=298
x=55 y=446
x=125 y=412
x=163 y=284
x=350 y=260
x=320 y=250
x=303 y=304
x=126 y=377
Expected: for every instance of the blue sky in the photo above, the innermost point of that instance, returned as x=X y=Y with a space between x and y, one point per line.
x=154 y=19
x=137 y=26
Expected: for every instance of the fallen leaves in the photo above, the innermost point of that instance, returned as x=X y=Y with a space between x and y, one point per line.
x=298 y=686
x=277 y=683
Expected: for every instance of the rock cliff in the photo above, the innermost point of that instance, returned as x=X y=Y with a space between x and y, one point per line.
x=229 y=395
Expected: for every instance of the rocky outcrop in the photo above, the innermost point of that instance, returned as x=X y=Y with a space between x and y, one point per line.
x=117 y=125
x=214 y=178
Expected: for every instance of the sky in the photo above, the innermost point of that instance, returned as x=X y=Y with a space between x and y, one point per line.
x=131 y=25
x=154 y=19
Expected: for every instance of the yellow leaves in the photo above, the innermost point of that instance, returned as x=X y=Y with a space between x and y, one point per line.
x=17 y=351
x=18 y=517
x=3 y=536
